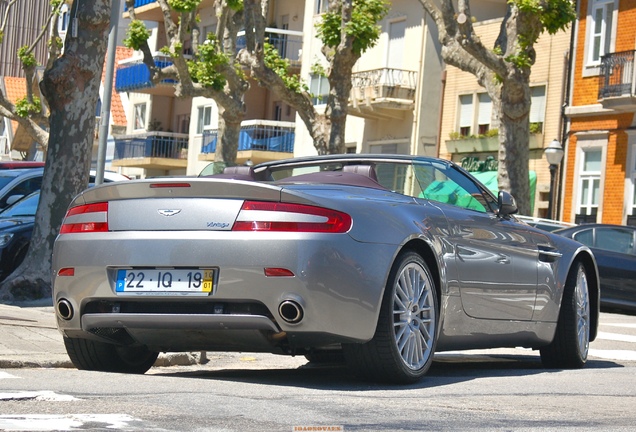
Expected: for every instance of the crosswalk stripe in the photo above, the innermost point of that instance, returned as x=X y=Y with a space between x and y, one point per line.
x=4 y=375
x=616 y=337
x=626 y=325
x=613 y=354
x=46 y=422
x=45 y=395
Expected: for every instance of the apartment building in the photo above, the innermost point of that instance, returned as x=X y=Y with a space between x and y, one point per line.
x=469 y=131
x=600 y=161
x=167 y=135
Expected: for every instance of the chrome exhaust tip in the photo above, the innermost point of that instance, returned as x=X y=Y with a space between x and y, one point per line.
x=64 y=309
x=291 y=311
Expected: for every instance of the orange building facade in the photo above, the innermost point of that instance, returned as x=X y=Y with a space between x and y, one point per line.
x=599 y=169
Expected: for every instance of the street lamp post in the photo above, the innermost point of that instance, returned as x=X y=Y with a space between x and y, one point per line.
x=554 y=155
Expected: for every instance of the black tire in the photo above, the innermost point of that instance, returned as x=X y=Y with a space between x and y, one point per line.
x=86 y=354
x=570 y=346
x=401 y=351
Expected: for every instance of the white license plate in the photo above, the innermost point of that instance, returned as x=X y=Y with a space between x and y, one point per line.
x=165 y=280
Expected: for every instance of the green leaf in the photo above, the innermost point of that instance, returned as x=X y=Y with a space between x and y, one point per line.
x=137 y=35
x=362 y=28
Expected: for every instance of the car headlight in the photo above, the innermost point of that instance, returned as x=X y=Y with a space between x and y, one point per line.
x=5 y=239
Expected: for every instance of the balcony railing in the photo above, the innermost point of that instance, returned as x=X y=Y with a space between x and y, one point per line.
x=260 y=135
x=395 y=82
x=617 y=75
x=151 y=145
x=134 y=75
x=382 y=93
x=288 y=43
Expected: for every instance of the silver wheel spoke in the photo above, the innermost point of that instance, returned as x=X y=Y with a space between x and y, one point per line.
x=414 y=316
x=581 y=296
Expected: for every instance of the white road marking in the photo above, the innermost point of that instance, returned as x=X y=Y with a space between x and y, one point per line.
x=4 y=375
x=613 y=354
x=626 y=325
x=45 y=422
x=45 y=395
x=616 y=337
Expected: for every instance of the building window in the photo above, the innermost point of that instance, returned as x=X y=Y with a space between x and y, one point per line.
x=278 y=111
x=322 y=6
x=601 y=31
x=183 y=123
x=395 y=47
x=319 y=89
x=484 y=113
x=537 y=108
x=465 y=115
x=631 y=210
x=140 y=116
x=205 y=31
x=98 y=107
x=62 y=23
x=475 y=112
x=589 y=185
x=204 y=118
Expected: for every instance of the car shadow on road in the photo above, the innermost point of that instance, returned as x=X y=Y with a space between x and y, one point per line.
x=446 y=370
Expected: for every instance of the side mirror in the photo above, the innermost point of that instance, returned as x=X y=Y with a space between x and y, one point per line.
x=13 y=199
x=506 y=204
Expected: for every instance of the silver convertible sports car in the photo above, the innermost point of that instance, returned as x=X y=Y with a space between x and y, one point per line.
x=381 y=259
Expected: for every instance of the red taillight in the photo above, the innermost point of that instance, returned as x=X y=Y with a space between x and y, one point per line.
x=275 y=216
x=86 y=218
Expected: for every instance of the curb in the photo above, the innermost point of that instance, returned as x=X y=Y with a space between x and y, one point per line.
x=164 y=360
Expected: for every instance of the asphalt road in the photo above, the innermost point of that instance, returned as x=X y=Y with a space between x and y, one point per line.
x=500 y=390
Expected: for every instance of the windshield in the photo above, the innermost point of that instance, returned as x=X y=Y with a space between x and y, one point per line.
x=7 y=177
x=25 y=207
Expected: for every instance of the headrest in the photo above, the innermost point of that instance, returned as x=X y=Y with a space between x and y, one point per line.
x=365 y=170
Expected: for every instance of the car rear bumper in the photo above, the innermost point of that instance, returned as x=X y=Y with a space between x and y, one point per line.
x=337 y=282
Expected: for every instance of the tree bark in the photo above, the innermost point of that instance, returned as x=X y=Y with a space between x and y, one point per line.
x=71 y=87
x=228 y=136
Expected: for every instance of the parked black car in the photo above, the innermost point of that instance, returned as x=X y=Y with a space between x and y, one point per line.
x=16 y=227
x=614 y=247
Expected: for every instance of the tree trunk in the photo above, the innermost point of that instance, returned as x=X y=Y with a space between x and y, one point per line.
x=340 y=81
x=514 y=142
x=72 y=89
x=228 y=136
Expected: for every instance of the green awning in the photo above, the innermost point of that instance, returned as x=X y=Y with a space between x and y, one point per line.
x=489 y=179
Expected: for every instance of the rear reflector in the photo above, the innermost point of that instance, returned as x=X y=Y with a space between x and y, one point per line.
x=86 y=218
x=287 y=217
x=278 y=272
x=67 y=271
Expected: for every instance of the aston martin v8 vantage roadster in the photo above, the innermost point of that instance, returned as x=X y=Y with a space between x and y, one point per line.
x=381 y=259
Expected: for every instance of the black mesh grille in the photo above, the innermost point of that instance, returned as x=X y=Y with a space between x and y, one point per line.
x=118 y=335
x=176 y=307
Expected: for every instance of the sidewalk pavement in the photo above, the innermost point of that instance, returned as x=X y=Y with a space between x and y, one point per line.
x=29 y=338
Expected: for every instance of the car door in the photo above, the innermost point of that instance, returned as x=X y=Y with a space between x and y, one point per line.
x=497 y=259
x=613 y=248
